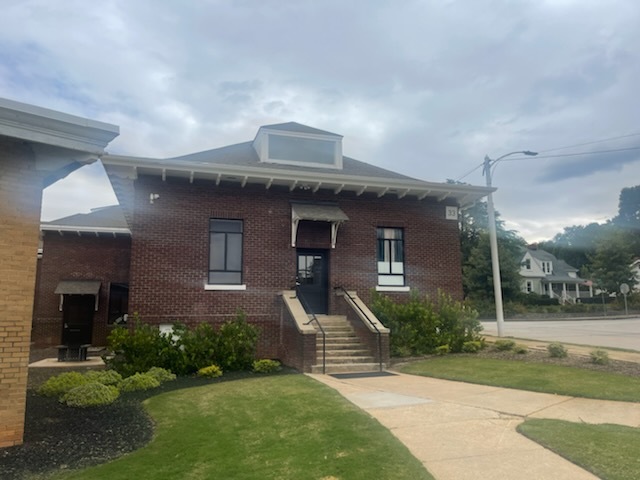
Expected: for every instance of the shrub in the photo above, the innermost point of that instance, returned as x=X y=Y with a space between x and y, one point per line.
x=138 y=381
x=212 y=371
x=442 y=350
x=184 y=351
x=557 y=350
x=136 y=349
x=504 y=345
x=472 y=346
x=161 y=374
x=105 y=377
x=421 y=324
x=599 y=357
x=266 y=366
x=520 y=349
x=91 y=394
x=237 y=344
x=61 y=384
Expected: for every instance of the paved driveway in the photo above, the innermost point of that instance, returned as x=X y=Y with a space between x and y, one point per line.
x=616 y=333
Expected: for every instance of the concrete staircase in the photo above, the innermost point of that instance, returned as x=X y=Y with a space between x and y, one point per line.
x=344 y=351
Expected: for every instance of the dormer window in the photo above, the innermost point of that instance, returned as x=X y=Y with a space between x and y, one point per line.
x=299 y=145
x=546 y=267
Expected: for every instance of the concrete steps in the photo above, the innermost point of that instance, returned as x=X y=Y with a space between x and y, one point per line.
x=344 y=351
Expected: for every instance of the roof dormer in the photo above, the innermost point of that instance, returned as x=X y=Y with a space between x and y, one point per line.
x=295 y=144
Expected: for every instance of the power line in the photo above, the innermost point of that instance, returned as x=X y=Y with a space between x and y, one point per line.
x=593 y=142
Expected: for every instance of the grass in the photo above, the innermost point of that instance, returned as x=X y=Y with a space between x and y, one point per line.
x=278 y=427
x=536 y=377
x=608 y=451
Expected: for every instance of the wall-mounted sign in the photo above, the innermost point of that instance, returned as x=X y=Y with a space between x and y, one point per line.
x=451 y=213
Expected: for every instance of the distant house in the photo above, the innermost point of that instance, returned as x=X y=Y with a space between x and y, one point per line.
x=635 y=269
x=544 y=274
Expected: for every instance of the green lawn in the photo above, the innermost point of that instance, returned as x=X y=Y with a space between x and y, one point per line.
x=536 y=377
x=608 y=451
x=277 y=427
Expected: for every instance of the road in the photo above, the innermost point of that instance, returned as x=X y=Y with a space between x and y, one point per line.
x=616 y=333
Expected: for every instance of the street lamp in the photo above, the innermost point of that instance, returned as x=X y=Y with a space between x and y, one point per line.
x=493 y=238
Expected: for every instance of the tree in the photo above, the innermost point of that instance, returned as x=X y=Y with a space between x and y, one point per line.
x=576 y=243
x=477 y=279
x=610 y=265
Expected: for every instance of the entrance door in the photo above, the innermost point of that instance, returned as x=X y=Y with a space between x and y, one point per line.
x=77 y=316
x=313 y=280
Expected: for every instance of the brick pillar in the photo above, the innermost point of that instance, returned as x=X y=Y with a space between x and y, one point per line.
x=20 y=201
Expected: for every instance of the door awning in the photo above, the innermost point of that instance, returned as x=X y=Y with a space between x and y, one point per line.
x=78 y=287
x=316 y=213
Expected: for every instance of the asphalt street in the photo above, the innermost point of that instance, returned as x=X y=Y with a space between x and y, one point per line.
x=603 y=332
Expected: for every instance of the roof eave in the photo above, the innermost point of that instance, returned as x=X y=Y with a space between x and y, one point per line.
x=131 y=167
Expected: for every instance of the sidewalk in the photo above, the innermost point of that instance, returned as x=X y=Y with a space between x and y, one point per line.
x=462 y=431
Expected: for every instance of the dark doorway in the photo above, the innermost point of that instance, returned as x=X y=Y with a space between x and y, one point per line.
x=313 y=280
x=77 y=317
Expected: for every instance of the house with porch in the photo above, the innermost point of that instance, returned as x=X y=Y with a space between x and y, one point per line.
x=544 y=274
x=292 y=232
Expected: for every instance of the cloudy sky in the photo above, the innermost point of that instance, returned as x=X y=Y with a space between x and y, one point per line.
x=426 y=88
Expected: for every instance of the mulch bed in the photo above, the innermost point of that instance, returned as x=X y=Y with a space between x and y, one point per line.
x=58 y=437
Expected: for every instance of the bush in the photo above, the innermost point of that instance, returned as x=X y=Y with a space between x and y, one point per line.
x=442 y=350
x=161 y=374
x=504 y=345
x=237 y=344
x=185 y=350
x=91 y=394
x=212 y=371
x=472 y=346
x=105 y=377
x=557 y=350
x=136 y=349
x=520 y=349
x=266 y=366
x=61 y=384
x=138 y=381
x=422 y=324
x=599 y=357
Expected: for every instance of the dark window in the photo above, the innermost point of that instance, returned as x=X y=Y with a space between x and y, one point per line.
x=225 y=252
x=390 y=256
x=118 y=303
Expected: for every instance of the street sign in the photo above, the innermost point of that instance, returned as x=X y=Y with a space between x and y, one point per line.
x=624 y=288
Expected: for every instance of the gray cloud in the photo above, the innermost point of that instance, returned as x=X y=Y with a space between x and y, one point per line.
x=424 y=88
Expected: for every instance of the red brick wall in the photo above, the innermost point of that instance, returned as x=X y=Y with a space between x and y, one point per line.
x=20 y=198
x=170 y=250
x=72 y=257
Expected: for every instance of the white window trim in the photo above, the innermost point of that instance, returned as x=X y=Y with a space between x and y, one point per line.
x=387 y=288
x=209 y=286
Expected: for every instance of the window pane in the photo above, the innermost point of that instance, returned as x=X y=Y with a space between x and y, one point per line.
x=234 y=251
x=225 y=278
x=221 y=225
x=216 y=253
x=301 y=149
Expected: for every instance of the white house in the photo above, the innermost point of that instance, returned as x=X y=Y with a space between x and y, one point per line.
x=544 y=274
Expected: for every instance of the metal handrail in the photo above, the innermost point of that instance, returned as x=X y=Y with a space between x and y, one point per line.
x=309 y=310
x=371 y=322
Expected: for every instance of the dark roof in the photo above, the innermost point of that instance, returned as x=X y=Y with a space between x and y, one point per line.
x=102 y=217
x=561 y=269
x=243 y=154
x=542 y=255
x=298 y=128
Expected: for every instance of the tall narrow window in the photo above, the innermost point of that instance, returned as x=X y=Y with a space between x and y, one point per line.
x=390 y=257
x=118 y=303
x=225 y=251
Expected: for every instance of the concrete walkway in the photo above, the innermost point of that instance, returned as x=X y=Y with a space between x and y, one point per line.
x=463 y=431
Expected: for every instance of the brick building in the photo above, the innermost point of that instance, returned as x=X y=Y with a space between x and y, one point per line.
x=247 y=225
x=82 y=278
x=37 y=147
